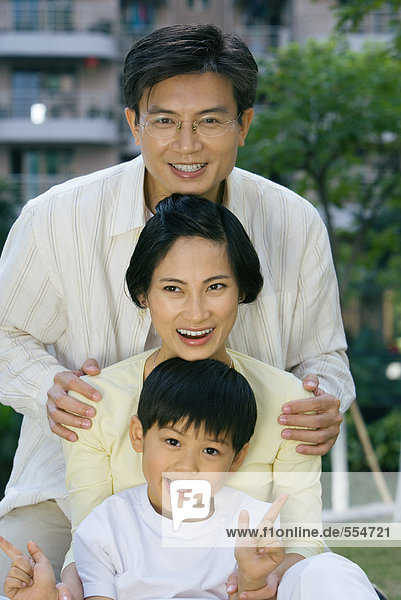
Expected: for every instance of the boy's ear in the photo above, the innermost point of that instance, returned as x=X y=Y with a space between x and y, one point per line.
x=136 y=434
x=239 y=458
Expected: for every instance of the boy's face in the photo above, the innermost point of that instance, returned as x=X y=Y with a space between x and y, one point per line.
x=182 y=454
x=189 y=162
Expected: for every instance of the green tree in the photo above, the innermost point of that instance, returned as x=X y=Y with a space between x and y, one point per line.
x=328 y=126
x=351 y=13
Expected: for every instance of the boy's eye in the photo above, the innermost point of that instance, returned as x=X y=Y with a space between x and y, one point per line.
x=211 y=451
x=172 y=442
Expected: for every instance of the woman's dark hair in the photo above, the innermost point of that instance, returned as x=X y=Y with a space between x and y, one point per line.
x=191 y=216
x=184 y=49
x=205 y=393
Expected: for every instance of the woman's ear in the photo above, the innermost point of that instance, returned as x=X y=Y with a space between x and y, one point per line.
x=130 y=115
x=239 y=458
x=143 y=300
x=136 y=434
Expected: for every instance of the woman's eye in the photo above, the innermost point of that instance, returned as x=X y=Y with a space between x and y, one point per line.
x=172 y=288
x=216 y=286
x=172 y=442
x=211 y=451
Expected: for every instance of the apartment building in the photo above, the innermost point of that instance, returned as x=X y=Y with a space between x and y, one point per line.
x=61 y=109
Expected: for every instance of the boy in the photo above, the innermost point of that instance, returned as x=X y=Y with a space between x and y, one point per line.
x=119 y=547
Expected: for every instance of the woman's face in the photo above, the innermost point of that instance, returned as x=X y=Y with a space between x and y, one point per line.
x=193 y=300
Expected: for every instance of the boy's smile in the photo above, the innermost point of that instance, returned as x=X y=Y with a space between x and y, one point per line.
x=181 y=452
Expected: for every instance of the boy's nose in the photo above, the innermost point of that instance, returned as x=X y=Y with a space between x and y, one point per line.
x=186 y=464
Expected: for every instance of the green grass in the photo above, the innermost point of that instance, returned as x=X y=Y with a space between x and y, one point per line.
x=382 y=565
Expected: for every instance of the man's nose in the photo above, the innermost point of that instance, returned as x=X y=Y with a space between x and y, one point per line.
x=186 y=140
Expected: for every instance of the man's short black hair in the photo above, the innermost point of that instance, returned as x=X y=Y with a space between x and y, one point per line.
x=205 y=393
x=186 y=49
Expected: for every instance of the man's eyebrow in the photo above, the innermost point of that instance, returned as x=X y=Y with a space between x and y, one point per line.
x=155 y=109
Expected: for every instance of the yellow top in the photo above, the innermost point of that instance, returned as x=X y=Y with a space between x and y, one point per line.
x=102 y=462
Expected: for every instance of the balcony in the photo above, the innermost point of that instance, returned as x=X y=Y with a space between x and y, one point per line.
x=61 y=29
x=83 y=118
x=24 y=187
x=261 y=39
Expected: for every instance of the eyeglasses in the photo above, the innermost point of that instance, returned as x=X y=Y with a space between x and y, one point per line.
x=160 y=126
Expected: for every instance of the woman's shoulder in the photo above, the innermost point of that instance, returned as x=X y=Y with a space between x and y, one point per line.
x=267 y=379
x=124 y=377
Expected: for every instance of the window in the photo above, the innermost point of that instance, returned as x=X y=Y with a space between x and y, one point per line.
x=35 y=170
x=56 y=90
x=37 y=15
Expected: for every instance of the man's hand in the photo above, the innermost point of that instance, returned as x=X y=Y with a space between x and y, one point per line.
x=30 y=577
x=258 y=557
x=62 y=409
x=323 y=427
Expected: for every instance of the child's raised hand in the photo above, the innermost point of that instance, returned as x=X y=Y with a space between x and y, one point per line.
x=258 y=555
x=29 y=577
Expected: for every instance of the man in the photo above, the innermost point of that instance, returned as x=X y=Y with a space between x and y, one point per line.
x=189 y=92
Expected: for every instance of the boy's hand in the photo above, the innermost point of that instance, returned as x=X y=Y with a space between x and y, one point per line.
x=29 y=577
x=258 y=556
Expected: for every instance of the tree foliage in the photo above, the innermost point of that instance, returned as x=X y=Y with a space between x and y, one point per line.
x=350 y=15
x=328 y=126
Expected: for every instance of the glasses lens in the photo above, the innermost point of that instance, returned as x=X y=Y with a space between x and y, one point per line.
x=212 y=128
x=166 y=127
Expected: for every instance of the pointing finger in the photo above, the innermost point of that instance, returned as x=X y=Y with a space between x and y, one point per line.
x=9 y=548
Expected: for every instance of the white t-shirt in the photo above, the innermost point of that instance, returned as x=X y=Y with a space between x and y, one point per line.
x=120 y=554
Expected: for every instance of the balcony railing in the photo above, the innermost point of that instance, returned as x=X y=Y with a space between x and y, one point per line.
x=24 y=187
x=61 y=105
x=59 y=16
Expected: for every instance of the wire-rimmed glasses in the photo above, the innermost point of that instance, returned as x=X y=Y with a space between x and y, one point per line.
x=166 y=126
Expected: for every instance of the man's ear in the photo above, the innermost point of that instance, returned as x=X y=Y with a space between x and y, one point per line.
x=239 y=458
x=136 y=434
x=130 y=116
x=246 y=118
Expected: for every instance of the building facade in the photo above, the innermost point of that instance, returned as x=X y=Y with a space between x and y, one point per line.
x=61 y=108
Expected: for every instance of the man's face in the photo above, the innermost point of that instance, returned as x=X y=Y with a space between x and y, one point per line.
x=189 y=162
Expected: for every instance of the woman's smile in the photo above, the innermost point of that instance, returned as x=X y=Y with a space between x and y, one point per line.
x=194 y=337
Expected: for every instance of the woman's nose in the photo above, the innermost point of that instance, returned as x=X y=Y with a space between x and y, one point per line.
x=196 y=310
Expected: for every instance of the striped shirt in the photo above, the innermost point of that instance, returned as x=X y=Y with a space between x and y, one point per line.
x=63 y=299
